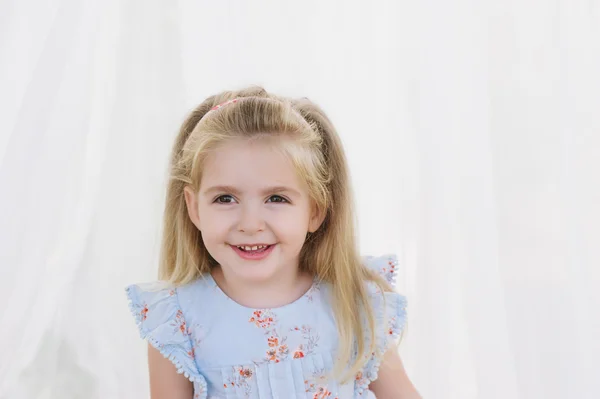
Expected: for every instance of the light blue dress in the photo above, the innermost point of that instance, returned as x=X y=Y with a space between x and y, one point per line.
x=231 y=351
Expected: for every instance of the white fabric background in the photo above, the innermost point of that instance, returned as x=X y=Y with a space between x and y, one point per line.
x=473 y=135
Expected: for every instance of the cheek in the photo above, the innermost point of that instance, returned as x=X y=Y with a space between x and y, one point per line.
x=212 y=223
x=290 y=226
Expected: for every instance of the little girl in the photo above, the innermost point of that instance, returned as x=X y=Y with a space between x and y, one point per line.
x=262 y=293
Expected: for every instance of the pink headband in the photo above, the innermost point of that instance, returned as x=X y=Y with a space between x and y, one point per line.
x=216 y=107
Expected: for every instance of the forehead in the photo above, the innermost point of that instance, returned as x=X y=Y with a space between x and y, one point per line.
x=249 y=165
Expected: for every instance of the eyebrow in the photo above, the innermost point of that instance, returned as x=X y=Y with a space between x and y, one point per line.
x=268 y=190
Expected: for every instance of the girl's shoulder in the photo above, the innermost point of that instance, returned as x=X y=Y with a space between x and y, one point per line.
x=159 y=310
x=161 y=297
x=389 y=313
x=388 y=306
x=386 y=266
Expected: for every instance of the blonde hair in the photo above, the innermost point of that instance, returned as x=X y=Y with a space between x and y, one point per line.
x=316 y=151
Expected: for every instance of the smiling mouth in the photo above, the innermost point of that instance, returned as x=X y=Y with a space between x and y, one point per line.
x=253 y=247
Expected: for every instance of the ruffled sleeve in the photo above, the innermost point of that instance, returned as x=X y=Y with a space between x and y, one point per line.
x=390 y=317
x=161 y=321
x=386 y=266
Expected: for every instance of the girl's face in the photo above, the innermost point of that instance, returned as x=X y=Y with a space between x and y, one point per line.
x=250 y=196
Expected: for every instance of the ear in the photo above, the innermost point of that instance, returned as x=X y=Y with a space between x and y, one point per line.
x=191 y=202
x=316 y=219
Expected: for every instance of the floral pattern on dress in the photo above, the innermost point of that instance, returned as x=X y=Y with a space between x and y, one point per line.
x=303 y=332
x=180 y=326
x=264 y=319
x=179 y=323
x=365 y=377
x=277 y=349
x=389 y=272
x=311 y=341
x=317 y=385
x=386 y=267
x=140 y=311
x=314 y=289
x=240 y=377
x=362 y=380
x=392 y=330
x=144 y=312
x=197 y=334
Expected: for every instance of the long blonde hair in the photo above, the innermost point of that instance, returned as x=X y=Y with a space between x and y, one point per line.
x=316 y=151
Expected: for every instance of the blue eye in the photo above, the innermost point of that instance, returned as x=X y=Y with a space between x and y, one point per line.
x=278 y=199
x=228 y=199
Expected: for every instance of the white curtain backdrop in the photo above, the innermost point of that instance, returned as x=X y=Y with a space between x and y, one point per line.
x=473 y=134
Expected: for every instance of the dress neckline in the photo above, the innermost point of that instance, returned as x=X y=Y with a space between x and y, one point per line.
x=307 y=295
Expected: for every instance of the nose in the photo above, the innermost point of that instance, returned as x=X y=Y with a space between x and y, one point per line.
x=251 y=219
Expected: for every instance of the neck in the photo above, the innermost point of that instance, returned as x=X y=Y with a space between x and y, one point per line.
x=278 y=291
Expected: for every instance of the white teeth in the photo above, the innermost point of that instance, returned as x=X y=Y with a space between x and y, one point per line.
x=253 y=248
